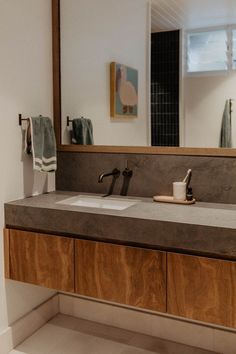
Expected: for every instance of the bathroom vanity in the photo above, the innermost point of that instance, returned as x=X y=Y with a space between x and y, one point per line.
x=179 y=260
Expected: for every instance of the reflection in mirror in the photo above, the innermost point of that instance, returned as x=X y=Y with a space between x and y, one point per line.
x=185 y=68
x=94 y=34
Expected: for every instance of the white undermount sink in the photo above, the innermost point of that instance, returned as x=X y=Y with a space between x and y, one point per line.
x=99 y=202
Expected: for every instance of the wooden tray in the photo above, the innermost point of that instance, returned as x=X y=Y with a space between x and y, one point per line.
x=170 y=199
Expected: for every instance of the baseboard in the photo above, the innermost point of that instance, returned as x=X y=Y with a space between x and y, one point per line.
x=6 y=341
x=28 y=324
x=213 y=338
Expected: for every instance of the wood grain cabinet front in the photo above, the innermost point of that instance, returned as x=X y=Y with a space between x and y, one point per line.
x=202 y=289
x=40 y=259
x=192 y=287
x=121 y=274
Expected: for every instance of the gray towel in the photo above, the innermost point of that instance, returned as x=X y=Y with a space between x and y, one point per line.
x=226 y=128
x=41 y=143
x=82 y=132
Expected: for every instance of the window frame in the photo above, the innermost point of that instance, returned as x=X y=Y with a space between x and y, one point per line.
x=232 y=28
x=229 y=33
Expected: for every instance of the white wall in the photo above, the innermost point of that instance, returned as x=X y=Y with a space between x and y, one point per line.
x=205 y=98
x=25 y=87
x=95 y=33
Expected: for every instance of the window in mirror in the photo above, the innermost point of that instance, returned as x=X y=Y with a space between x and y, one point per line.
x=207 y=51
x=234 y=48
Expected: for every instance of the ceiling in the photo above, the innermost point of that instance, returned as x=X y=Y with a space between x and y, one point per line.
x=190 y=14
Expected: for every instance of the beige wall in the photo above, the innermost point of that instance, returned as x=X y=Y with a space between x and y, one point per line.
x=25 y=87
x=95 y=33
x=205 y=98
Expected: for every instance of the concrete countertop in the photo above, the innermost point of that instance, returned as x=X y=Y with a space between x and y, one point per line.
x=205 y=229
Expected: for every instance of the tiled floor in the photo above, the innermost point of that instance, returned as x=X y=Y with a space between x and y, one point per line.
x=68 y=335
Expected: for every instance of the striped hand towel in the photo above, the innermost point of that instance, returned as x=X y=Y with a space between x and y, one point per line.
x=41 y=143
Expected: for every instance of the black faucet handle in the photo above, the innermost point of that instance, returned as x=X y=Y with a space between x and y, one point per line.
x=115 y=173
x=127 y=172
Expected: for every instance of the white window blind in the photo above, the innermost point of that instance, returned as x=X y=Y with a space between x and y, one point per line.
x=234 y=48
x=207 y=51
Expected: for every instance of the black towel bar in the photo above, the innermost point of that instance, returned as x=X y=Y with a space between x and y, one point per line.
x=230 y=105
x=68 y=121
x=21 y=119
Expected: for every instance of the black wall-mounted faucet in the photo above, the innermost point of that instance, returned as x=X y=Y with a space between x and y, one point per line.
x=115 y=174
x=127 y=174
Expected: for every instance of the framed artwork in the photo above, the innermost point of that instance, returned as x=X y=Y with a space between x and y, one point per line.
x=123 y=91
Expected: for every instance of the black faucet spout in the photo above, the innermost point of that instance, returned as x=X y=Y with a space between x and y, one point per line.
x=115 y=173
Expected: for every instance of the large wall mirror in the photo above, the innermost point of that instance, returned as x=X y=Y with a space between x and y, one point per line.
x=173 y=77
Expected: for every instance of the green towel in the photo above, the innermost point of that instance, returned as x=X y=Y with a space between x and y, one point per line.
x=41 y=143
x=82 y=132
x=226 y=128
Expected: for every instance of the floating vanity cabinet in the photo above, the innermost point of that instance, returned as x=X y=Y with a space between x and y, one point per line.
x=122 y=274
x=202 y=289
x=188 y=286
x=40 y=259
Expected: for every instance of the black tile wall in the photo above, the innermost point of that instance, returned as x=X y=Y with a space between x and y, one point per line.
x=165 y=88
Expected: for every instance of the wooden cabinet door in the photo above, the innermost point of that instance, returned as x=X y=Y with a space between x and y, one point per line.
x=202 y=289
x=41 y=259
x=126 y=275
x=6 y=236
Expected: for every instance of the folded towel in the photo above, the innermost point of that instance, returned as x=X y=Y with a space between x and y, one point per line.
x=41 y=143
x=82 y=132
x=226 y=128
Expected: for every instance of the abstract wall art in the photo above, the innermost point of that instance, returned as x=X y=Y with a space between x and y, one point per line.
x=123 y=91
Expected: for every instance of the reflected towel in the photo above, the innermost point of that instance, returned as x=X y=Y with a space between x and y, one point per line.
x=41 y=143
x=226 y=128
x=82 y=132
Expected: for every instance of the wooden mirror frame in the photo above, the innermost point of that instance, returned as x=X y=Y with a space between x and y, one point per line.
x=56 y=46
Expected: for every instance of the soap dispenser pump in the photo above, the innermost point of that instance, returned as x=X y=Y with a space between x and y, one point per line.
x=189 y=194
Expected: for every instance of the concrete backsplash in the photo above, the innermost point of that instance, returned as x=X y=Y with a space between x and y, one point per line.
x=213 y=179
